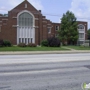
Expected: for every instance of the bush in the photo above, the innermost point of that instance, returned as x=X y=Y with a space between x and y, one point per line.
x=44 y=43
x=22 y=45
x=53 y=42
x=7 y=43
x=1 y=43
x=82 y=46
x=31 y=45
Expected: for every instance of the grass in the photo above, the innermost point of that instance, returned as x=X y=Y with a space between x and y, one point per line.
x=78 y=47
x=16 y=48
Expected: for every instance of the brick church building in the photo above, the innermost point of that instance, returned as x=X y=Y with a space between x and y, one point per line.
x=26 y=24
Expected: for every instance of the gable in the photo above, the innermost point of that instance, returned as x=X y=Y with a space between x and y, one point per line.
x=25 y=5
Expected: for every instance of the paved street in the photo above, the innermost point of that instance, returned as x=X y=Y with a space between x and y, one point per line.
x=44 y=72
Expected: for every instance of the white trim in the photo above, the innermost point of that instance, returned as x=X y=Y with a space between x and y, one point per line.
x=0 y=21
x=49 y=27
x=27 y=12
x=44 y=21
x=31 y=29
x=4 y=19
x=14 y=17
x=14 y=25
x=36 y=19
x=82 y=31
x=82 y=25
x=82 y=39
x=36 y=27
x=49 y=30
x=4 y=16
x=48 y=24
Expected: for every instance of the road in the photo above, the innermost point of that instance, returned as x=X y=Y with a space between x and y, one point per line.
x=44 y=72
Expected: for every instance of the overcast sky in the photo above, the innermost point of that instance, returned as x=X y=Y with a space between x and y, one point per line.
x=53 y=9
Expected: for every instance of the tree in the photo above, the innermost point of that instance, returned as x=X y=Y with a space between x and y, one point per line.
x=88 y=33
x=68 y=29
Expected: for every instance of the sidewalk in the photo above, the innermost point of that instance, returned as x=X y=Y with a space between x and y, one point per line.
x=70 y=49
x=43 y=52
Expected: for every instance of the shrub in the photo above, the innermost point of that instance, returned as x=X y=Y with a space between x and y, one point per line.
x=7 y=43
x=31 y=45
x=44 y=43
x=82 y=46
x=22 y=45
x=53 y=42
x=1 y=43
x=64 y=44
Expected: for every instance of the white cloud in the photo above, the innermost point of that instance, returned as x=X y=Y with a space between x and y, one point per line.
x=6 y=5
x=81 y=8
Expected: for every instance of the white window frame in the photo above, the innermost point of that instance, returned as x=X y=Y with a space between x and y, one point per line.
x=81 y=30
x=81 y=35
x=81 y=27
x=56 y=27
x=49 y=30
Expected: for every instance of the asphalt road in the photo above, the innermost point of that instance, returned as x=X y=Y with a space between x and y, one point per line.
x=44 y=72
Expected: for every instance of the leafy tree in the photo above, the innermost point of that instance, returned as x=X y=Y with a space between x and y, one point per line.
x=88 y=32
x=68 y=29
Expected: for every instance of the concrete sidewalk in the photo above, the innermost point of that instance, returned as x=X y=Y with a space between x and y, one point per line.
x=43 y=52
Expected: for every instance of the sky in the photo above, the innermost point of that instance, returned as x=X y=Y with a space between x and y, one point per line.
x=54 y=9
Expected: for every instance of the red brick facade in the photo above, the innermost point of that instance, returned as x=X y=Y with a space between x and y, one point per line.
x=43 y=28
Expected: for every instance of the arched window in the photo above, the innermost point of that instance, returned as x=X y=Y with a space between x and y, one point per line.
x=25 y=19
x=80 y=26
x=25 y=29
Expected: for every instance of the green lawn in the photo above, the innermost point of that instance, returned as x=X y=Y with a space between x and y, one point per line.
x=15 y=48
x=78 y=47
